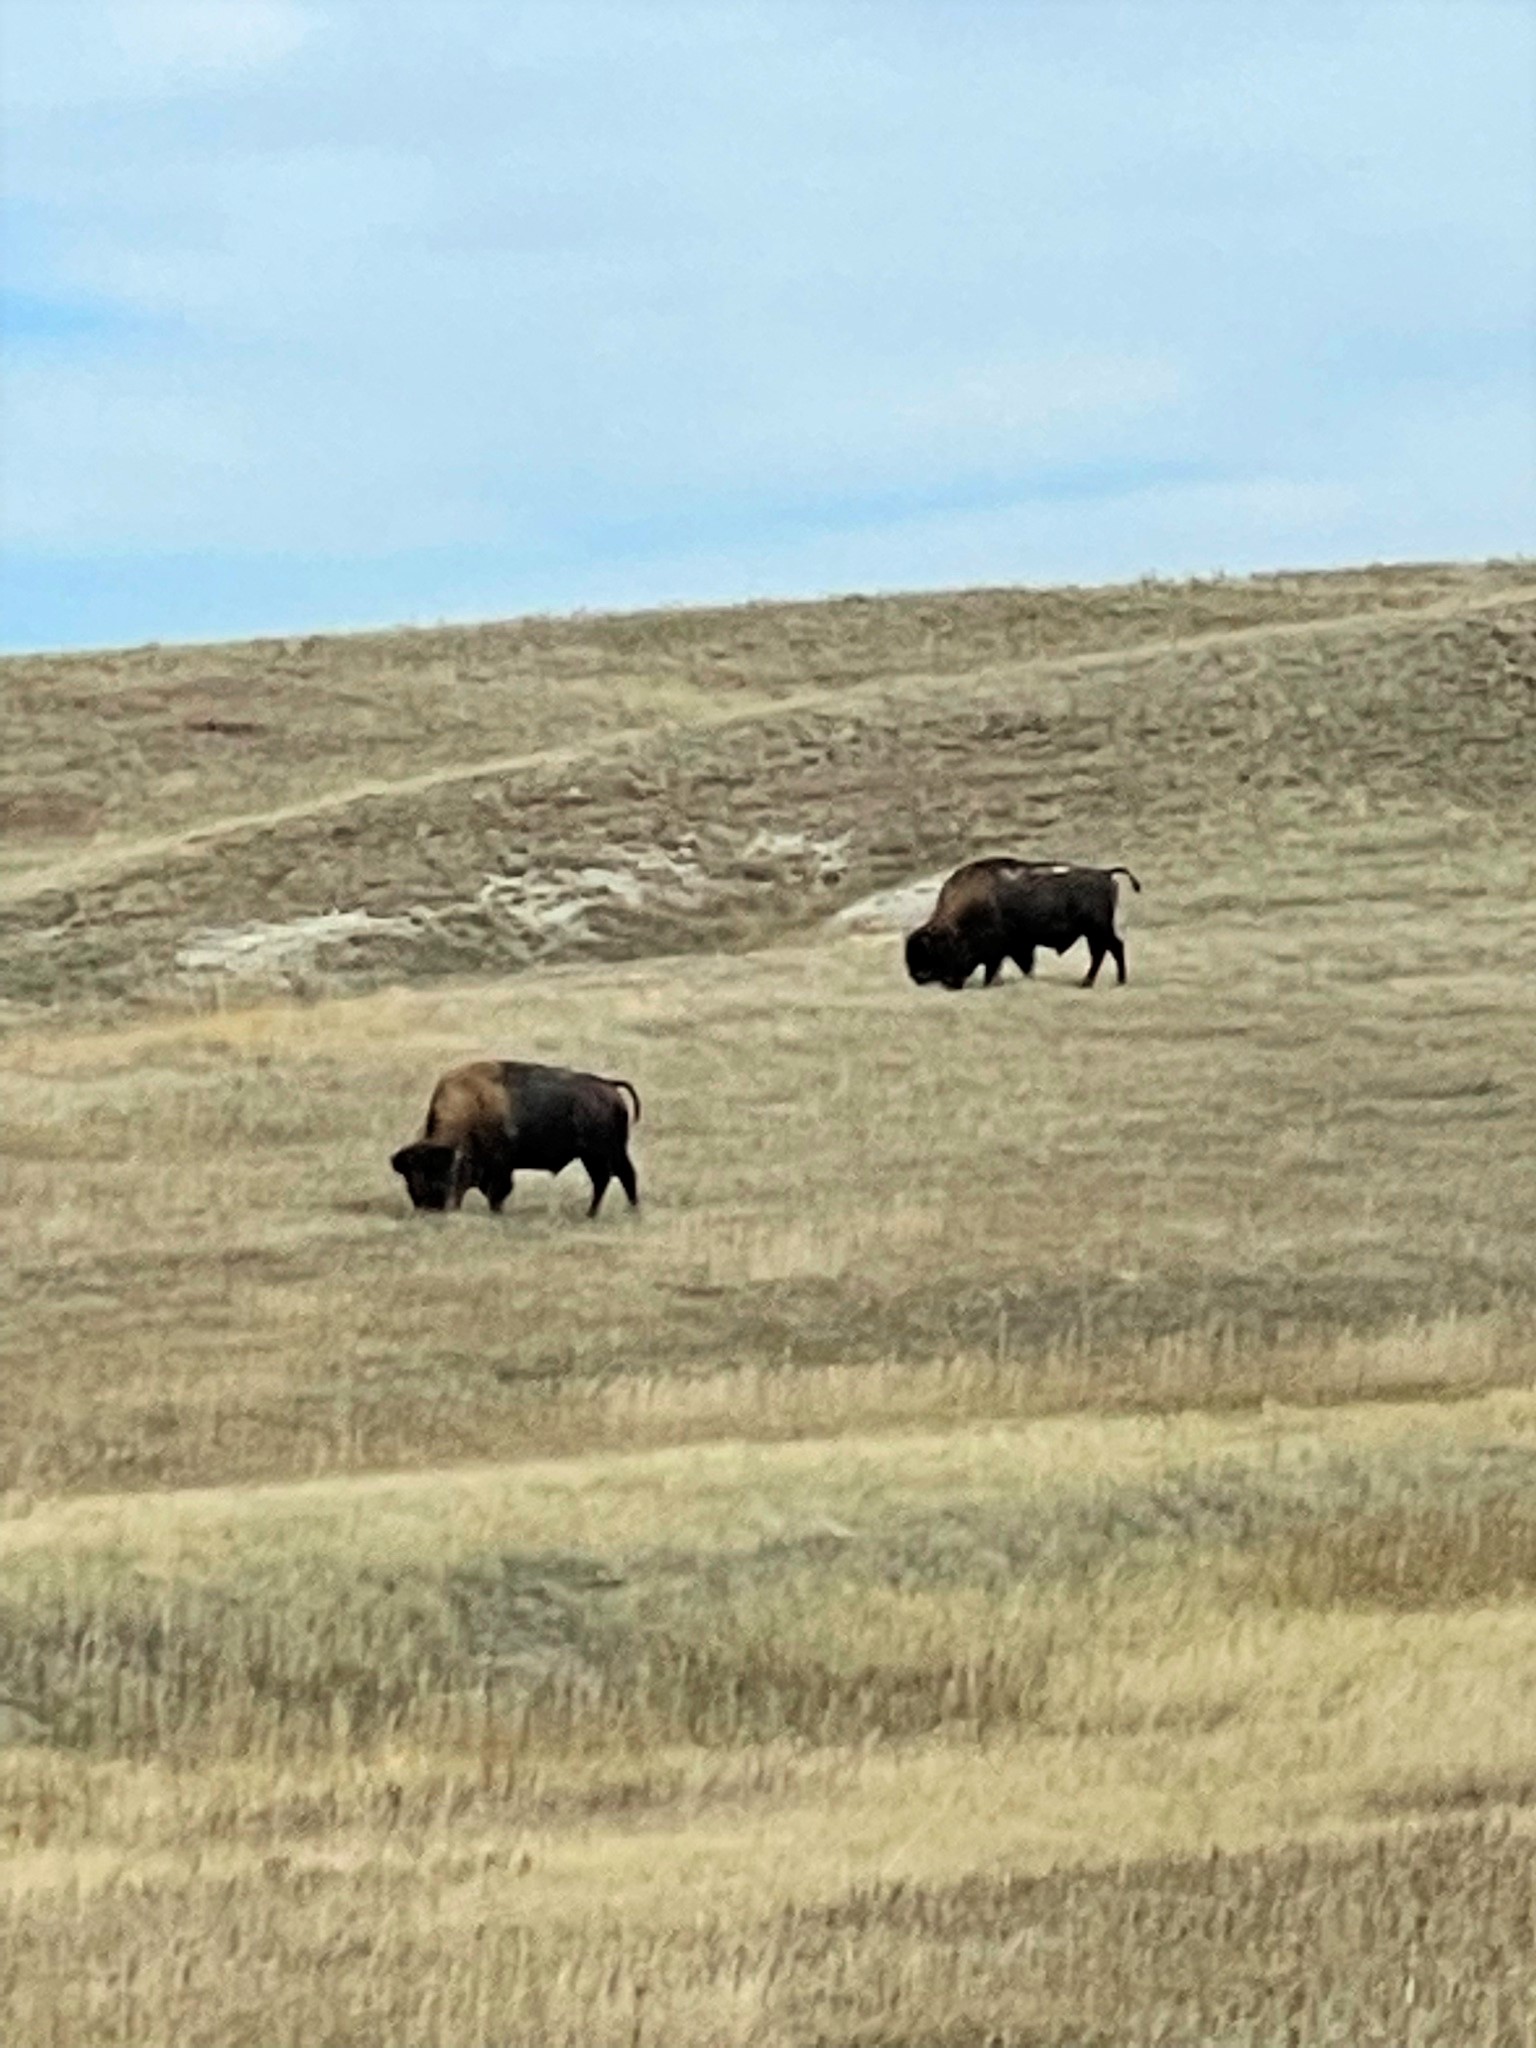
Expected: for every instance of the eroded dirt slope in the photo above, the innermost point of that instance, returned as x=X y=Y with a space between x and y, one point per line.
x=736 y=829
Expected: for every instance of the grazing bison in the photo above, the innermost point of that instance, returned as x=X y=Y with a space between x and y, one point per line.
x=489 y=1118
x=992 y=910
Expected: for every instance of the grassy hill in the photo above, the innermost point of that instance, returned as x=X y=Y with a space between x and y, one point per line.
x=1029 y=1535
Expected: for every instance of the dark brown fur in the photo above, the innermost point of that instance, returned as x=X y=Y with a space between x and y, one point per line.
x=1003 y=909
x=489 y=1118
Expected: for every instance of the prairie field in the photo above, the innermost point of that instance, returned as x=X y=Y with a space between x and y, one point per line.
x=1027 y=1537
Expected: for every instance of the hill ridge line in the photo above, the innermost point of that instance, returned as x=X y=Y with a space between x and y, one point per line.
x=86 y=870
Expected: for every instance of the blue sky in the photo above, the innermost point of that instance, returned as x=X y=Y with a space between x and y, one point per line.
x=326 y=313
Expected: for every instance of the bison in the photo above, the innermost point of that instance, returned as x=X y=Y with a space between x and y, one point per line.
x=491 y=1117
x=992 y=910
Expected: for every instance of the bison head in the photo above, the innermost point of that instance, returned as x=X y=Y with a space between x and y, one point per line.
x=934 y=954
x=427 y=1171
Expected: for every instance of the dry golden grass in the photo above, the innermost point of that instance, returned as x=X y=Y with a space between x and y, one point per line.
x=781 y=1743
x=123 y=744
x=860 y=1201
x=721 y=825
x=1028 y=1537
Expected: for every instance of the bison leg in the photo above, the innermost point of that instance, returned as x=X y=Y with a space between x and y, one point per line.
x=1117 y=954
x=1097 y=948
x=1024 y=959
x=623 y=1167
x=994 y=968
x=497 y=1185
x=599 y=1173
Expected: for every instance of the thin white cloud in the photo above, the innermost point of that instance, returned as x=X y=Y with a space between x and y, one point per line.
x=73 y=447
x=167 y=41
x=63 y=54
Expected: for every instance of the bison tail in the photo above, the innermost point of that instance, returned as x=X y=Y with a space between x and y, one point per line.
x=631 y=1092
x=1129 y=877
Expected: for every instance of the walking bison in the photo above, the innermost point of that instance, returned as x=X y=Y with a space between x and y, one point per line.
x=490 y=1118
x=1003 y=909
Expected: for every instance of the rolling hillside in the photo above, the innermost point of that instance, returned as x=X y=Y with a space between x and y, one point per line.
x=1027 y=1537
